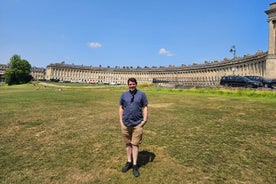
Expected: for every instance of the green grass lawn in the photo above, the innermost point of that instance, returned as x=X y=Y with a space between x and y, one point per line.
x=72 y=135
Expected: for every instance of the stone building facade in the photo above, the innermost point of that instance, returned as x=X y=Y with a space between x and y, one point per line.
x=38 y=73
x=271 y=57
x=207 y=74
x=2 y=71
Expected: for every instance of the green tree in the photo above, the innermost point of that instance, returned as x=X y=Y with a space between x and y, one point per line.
x=18 y=72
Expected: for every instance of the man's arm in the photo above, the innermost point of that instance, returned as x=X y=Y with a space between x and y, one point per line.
x=121 y=111
x=145 y=115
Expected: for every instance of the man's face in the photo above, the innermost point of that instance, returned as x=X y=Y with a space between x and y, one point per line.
x=132 y=86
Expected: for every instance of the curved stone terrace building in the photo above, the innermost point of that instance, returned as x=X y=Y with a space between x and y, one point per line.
x=207 y=74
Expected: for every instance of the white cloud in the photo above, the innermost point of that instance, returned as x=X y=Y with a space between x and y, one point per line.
x=163 y=51
x=94 y=45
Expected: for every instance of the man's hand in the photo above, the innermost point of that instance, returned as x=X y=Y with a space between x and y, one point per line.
x=143 y=123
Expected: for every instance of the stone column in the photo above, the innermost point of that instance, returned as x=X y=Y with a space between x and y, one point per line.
x=271 y=57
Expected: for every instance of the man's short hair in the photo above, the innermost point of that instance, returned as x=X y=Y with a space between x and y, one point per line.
x=132 y=80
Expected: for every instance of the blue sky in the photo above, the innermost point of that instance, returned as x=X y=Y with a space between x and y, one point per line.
x=131 y=32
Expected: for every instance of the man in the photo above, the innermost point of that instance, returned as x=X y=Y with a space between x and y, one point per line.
x=133 y=113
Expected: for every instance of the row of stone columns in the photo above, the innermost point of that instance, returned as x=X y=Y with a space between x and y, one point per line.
x=199 y=76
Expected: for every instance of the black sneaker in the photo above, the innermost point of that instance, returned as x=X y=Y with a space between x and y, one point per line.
x=127 y=167
x=135 y=171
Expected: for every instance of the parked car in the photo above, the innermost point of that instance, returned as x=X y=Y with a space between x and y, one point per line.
x=265 y=82
x=273 y=83
x=238 y=81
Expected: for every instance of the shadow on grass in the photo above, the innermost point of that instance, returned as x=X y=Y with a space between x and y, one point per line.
x=145 y=157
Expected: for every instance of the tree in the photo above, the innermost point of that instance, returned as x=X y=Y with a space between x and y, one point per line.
x=18 y=72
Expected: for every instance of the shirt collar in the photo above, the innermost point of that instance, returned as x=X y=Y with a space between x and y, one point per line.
x=133 y=92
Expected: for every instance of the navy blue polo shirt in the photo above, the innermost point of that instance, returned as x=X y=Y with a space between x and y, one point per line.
x=133 y=107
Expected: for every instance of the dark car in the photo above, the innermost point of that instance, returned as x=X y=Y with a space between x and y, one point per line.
x=265 y=82
x=273 y=83
x=238 y=81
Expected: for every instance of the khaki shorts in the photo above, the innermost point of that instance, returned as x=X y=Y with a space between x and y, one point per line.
x=132 y=135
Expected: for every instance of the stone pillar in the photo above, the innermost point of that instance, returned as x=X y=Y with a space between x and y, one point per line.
x=270 y=71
